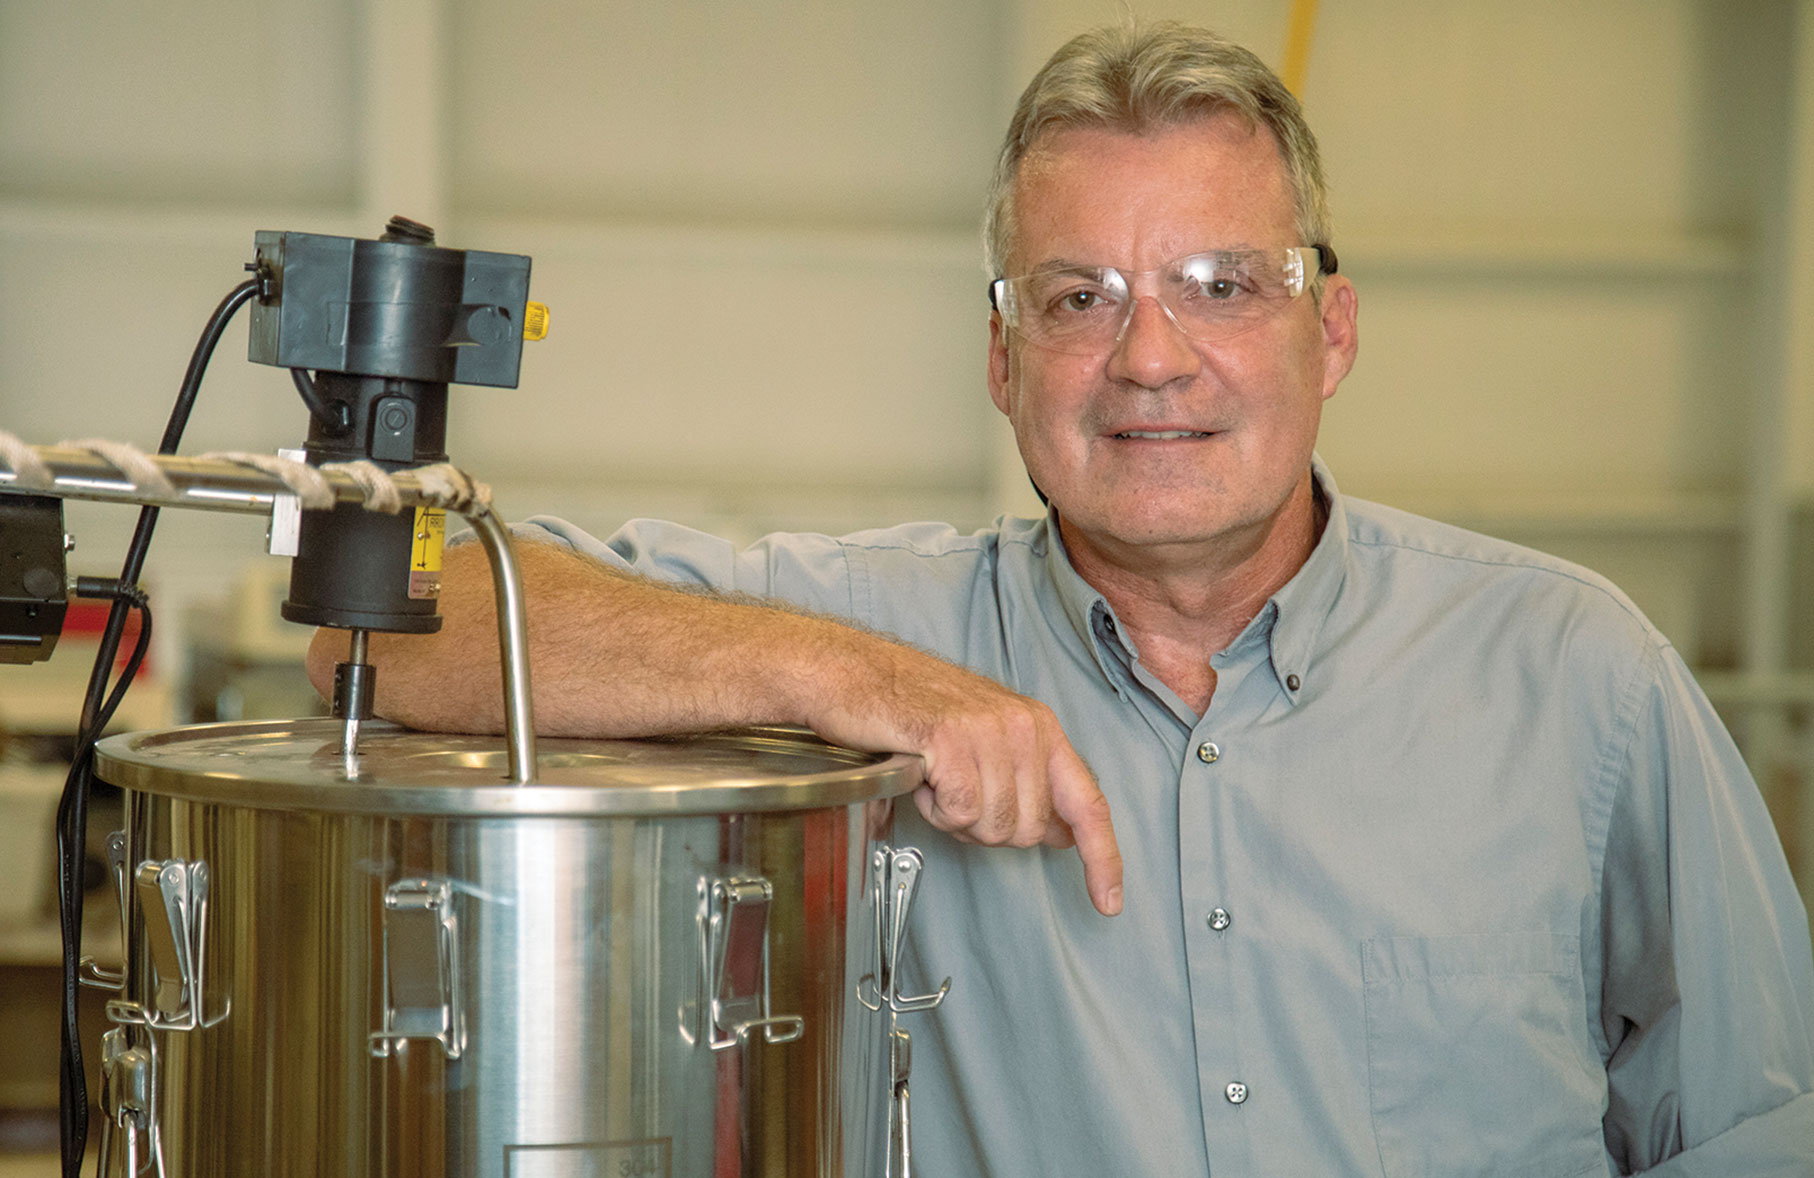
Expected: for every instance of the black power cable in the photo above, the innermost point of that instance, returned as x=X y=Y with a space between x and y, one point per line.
x=134 y=597
x=97 y=709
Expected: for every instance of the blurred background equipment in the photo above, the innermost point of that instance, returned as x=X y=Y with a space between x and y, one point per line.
x=33 y=596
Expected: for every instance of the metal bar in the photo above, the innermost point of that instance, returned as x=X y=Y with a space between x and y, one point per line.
x=215 y=485
x=513 y=644
x=356 y=657
x=206 y=484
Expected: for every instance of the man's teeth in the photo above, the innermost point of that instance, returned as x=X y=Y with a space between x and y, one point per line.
x=1165 y=434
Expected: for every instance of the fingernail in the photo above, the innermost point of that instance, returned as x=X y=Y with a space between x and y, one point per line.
x=1114 y=898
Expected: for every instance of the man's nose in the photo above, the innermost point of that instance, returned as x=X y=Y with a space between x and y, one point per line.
x=1152 y=349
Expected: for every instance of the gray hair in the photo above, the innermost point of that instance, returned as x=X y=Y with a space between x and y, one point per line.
x=1135 y=78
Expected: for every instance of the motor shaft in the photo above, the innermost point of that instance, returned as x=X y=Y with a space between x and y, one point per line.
x=355 y=681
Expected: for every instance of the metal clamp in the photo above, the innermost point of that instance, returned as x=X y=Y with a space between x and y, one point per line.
x=283 y=536
x=96 y=976
x=894 y=876
x=900 y=1137
x=129 y=1102
x=173 y=905
x=422 y=998
x=734 y=974
x=89 y=971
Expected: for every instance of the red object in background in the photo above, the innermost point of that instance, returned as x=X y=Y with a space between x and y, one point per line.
x=86 y=621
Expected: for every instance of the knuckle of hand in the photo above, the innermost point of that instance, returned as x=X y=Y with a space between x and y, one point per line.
x=1039 y=823
x=956 y=806
x=1002 y=823
x=1021 y=726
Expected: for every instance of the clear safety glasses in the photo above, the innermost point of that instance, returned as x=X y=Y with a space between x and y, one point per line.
x=1084 y=310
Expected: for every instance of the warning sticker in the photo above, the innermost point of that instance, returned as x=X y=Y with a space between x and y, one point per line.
x=425 y=553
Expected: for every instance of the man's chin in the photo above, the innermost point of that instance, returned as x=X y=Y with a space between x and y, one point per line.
x=1142 y=528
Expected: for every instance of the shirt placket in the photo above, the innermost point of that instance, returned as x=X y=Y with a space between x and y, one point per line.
x=1212 y=902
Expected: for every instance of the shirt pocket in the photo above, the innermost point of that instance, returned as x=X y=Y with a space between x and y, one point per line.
x=1477 y=1059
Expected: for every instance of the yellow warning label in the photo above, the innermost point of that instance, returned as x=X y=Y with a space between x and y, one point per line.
x=425 y=553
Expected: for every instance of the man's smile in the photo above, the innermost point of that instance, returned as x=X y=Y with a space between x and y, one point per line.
x=1158 y=435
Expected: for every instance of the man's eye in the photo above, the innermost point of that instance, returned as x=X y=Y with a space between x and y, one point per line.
x=1218 y=289
x=1079 y=300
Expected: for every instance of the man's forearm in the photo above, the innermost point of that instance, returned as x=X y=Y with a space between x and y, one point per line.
x=615 y=655
x=610 y=654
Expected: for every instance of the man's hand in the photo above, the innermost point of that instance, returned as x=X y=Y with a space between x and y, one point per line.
x=617 y=656
x=999 y=770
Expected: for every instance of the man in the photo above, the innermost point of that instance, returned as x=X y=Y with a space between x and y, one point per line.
x=1434 y=860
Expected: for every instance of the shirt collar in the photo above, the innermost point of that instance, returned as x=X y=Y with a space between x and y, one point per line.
x=1298 y=610
x=1089 y=612
x=1290 y=621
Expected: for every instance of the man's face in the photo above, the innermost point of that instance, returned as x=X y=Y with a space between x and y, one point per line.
x=1247 y=408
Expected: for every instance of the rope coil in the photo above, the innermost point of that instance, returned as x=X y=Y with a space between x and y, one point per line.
x=31 y=473
x=303 y=480
x=441 y=485
x=380 y=489
x=145 y=475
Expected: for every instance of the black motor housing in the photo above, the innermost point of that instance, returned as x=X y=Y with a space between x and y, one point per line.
x=385 y=326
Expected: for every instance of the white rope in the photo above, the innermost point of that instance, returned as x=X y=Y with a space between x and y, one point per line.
x=303 y=480
x=442 y=484
x=380 y=489
x=147 y=476
x=448 y=486
x=30 y=473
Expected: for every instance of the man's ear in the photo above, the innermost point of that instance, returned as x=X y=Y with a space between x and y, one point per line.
x=999 y=363
x=1341 y=332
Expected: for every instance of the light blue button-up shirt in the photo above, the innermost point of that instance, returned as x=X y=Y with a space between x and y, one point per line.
x=1459 y=875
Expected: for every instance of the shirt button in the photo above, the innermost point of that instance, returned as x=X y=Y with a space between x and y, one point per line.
x=1236 y=1093
x=1219 y=919
x=1207 y=752
x=1291 y=682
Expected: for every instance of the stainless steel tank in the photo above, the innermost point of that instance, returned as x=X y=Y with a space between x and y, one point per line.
x=662 y=958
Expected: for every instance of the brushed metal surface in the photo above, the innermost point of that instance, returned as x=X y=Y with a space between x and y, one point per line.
x=298 y=764
x=577 y=942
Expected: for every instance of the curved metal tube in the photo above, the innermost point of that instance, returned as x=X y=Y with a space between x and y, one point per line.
x=513 y=644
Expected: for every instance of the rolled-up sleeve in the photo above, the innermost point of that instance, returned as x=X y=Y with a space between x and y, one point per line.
x=802 y=569
x=1707 y=1006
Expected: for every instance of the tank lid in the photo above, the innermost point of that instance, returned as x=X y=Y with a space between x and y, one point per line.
x=298 y=765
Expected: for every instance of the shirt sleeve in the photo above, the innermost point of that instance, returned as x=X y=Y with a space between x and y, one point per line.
x=809 y=571
x=1707 y=1004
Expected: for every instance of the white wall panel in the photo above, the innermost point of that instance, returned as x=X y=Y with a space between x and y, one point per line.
x=195 y=101
x=793 y=111
x=1542 y=389
x=96 y=331
x=1791 y=235
x=1513 y=114
x=725 y=356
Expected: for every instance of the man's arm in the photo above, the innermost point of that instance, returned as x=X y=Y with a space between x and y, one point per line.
x=1708 y=999
x=613 y=655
